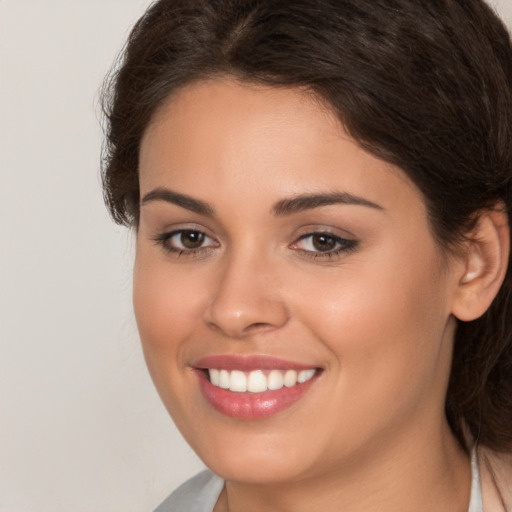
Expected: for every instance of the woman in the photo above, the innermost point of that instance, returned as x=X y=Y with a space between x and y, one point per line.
x=321 y=192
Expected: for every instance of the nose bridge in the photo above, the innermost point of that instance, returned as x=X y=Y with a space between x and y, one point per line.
x=246 y=298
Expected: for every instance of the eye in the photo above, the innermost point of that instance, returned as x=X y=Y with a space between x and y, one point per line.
x=186 y=241
x=323 y=244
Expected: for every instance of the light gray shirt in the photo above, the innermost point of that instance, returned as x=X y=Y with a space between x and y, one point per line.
x=200 y=493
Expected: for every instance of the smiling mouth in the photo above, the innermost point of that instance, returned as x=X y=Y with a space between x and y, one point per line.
x=253 y=394
x=253 y=387
x=258 y=381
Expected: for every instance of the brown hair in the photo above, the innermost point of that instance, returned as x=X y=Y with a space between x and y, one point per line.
x=425 y=85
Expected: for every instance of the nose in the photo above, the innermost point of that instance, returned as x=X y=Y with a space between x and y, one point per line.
x=246 y=299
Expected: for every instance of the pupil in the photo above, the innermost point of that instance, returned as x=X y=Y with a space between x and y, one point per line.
x=323 y=242
x=192 y=239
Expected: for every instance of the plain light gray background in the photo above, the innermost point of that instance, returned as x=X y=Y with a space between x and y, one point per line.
x=81 y=427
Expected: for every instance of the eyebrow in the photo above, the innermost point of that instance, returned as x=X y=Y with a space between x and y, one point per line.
x=169 y=196
x=281 y=208
x=310 y=201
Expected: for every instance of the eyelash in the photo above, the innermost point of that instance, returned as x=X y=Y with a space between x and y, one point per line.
x=165 y=240
x=343 y=245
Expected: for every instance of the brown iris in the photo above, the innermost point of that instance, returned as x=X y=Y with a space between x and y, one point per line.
x=322 y=242
x=192 y=239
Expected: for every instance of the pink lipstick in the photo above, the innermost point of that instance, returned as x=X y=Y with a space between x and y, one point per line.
x=253 y=387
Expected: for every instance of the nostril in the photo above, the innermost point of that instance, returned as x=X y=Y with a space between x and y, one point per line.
x=258 y=325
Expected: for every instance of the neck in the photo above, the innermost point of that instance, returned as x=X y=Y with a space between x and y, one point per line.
x=434 y=474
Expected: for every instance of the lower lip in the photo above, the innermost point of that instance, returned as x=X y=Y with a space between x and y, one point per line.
x=252 y=406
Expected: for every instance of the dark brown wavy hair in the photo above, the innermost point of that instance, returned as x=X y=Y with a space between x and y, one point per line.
x=425 y=85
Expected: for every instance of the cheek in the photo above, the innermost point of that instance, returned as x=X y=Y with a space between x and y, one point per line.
x=167 y=307
x=384 y=323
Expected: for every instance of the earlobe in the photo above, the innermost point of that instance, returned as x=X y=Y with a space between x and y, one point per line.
x=485 y=265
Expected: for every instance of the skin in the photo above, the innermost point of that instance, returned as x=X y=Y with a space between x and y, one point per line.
x=371 y=433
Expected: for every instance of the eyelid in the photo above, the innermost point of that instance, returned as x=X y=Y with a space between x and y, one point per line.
x=323 y=227
x=172 y=234
x=171 y=229
x=339 y=239
x=164 y=240
x=343 y=244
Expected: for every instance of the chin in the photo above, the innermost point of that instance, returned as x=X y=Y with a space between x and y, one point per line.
x=256 y=453
x=252 y=468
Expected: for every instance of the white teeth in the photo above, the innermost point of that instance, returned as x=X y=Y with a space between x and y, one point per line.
x=215 y=377
x=256 y=381
x=275 y=380
x=290 y=378
x=305 y=375
x=224 y=379
x=238 y=381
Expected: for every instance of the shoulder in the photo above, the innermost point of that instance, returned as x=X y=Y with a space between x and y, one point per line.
x=496 y=477
x=199 y=494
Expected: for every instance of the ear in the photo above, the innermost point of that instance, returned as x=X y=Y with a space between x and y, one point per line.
x=485 y=263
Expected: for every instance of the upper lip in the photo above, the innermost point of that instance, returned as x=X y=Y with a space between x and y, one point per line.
x=248 y=363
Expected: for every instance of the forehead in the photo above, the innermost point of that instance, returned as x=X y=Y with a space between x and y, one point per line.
x=247 y=113
x=238 y=93
x=241 y=137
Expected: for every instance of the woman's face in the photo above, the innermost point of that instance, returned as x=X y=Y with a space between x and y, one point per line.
x=272 y=247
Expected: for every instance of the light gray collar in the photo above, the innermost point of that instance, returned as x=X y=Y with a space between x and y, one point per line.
x=475 y=504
